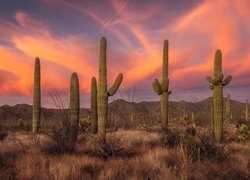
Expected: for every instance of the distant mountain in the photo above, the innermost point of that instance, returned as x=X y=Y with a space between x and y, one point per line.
x=129 y=112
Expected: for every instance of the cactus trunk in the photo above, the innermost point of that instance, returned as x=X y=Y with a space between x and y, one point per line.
x=102 y=98
x=36 y=98
x=74 y=107
x=217 y=86
x=218 y=112
x=162 y=89
x=93 y=105
x=228 y=109
x=246 y=110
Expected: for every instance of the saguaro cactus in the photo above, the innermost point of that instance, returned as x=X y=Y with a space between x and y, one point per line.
x=228 y=109
x=74 y=107
x=93 y=105
x=162 y=88
x=217 y=83
x=36 y=97
x=246 y=111
x=103 y=93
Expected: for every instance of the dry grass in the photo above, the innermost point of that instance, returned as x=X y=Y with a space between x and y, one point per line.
x=22 y=158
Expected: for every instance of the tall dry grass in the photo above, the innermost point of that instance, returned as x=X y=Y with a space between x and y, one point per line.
x=22 y=158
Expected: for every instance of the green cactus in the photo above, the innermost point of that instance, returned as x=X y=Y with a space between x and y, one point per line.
x=74 y=108
x=228 y=109
x=246 y=111
x=185 y=115
x=93 y=105
x=192 y=117
x=103 y=93
x=36 y=117
x=162 y=89
x=217 y=83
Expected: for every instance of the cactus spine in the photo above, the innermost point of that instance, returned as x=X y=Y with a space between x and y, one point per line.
x=103 y=93
x=162 y=89
x=74 y=107
x=36 y=117
x=246 y=110
x=93 y=105
x=217 y=83
x=228 y=109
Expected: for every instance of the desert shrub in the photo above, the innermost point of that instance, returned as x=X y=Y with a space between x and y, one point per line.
x=170 y=138
x=110 y=147
x=60 y=142
x=84 y=126
x=3 y=135
x=204 y=148
x=63 y=138
x=242 y=132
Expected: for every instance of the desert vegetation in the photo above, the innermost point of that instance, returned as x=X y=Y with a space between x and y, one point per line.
x=170 y=141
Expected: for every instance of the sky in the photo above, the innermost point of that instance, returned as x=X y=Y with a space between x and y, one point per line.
x=65 y=35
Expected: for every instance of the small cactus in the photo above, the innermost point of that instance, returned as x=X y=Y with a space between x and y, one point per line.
x=36 y=117
x=74 y=107
x=217 y=83
x=103 y=93
x=228 y=109
x=246 y=112
x=162 y=88
x=93 y=105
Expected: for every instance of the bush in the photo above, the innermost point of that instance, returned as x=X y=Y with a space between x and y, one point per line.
x=170 y=138
x=110 y=147
x=204 y=148
x=63 y=135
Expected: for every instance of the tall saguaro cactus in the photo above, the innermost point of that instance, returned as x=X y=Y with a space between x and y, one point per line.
x=36 y=117
x=103 y=93
x=217 y=83
x=228 y=109
x=162 y=88
x=74 y=107
x=246 y=111
x=93 y=105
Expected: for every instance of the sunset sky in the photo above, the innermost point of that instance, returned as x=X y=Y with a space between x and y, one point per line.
x=65 y=35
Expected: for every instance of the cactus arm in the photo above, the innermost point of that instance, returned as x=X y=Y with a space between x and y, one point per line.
x=93 y=105
x=36 y=97
x=157 y=87
x=209 y=79
x=115 y=85
x=220 y=76
x=211 y=87
x=74 y=106
x=227 y=80
x=212 y=81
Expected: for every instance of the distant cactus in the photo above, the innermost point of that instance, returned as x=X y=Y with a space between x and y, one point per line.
x=103 y=93
x=217 y=83
x=246 y=111
x=185 y=115
x=36 y=98
x=74 y=107
x=93 y=105
x=228 y=109
x=162 y=88
x=192 y=117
